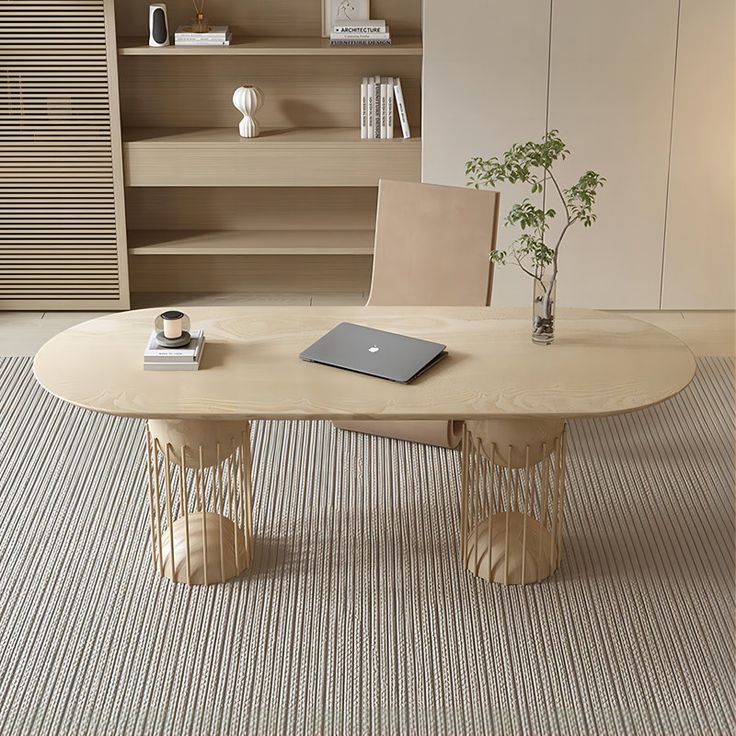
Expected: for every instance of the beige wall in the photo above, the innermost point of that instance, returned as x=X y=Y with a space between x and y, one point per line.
x=605 y=75
x=701 y=217
x=472 y=103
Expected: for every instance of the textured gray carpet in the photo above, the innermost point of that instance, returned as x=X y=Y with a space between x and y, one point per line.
x=356 y=616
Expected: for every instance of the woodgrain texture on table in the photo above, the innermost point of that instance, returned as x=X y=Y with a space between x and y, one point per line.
x=599 y=364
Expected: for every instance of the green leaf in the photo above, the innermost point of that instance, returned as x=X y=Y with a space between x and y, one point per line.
x=532 y=163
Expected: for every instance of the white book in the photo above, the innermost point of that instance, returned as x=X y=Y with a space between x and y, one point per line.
x=214 y=32
x=359 y=26
x=384 y=112
x=390 y=108
x=371 y=111
x=401 y=108
x=190 y=353
x=354 y=42
x=174 y=360
x=171 y=366
x=153 y=349
x=201 y=43
x=360 y=36
x=201 y=36
x=364 y=108
x=377 y=106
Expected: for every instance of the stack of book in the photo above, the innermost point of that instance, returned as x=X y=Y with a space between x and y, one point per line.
x=360 y=33
x=378 y=95
x=216 y=36
x=187 y=358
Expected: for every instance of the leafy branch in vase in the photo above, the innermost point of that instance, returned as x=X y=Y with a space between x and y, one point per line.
x=534 y=251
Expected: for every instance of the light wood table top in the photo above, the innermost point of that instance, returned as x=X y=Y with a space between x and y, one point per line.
x=599 y=364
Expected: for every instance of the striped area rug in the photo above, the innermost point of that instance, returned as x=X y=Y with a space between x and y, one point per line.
x=356 y=616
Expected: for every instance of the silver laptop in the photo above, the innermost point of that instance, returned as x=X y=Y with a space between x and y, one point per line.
x=374 y=352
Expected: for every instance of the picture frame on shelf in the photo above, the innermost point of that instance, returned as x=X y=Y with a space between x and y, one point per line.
x=342 y=10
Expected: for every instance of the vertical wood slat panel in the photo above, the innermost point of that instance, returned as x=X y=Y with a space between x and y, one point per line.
x=62 y=228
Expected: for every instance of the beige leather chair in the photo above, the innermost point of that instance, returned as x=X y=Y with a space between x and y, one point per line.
x=431 y=249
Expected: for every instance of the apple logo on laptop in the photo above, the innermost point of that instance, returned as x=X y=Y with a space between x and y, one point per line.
x=373 y=349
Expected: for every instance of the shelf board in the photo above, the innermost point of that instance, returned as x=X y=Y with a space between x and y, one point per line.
x=274 y=46
x=285 y=157
x=279 y=138
x=250 y=242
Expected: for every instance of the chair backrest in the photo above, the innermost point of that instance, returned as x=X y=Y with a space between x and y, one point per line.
x=432 y=245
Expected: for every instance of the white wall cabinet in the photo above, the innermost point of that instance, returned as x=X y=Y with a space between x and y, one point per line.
x=485 y=87
x=610 y=96
x=609 y=76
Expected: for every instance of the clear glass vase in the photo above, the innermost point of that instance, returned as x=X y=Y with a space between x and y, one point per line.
x=543 y=324
x=200 y=24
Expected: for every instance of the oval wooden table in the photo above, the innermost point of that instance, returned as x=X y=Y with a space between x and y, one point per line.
x=515 y=397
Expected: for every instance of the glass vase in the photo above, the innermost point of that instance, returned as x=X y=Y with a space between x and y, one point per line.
x=543 y=324
x=200 y=24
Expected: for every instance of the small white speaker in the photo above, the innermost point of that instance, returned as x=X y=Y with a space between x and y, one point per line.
x=158 y=25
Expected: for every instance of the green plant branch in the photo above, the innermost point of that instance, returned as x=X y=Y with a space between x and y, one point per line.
x=559 y=192
x=531 y=163
x=557 y=247
x=523 y=268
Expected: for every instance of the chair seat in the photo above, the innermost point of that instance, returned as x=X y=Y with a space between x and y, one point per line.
x=431 y=248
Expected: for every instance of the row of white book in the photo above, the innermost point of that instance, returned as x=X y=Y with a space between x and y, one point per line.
x=378 y=96
x=216 y=36
x=360 y=33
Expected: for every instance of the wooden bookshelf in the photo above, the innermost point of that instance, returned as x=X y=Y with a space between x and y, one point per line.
x=297 y=157
x=290 y=210
x=275 y=46
x=345 y=139
x=250 y=242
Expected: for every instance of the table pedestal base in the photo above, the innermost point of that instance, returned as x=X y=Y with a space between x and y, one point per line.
x=501 y=550
x=513 y=495
x=200 y=499
x=212 y=544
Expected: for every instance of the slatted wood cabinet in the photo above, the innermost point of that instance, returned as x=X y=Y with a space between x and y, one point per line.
x=62 y=226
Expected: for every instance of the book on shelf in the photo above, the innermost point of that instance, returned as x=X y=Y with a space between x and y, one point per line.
x=367 y=101
x=377 y=106
x=334 y=36
x=215 y=32
x=358 y=42
x=378 y=95
x=360 y=32
x=179 y=42
x=401 y=108
x=384 y=112
x=364 y=107
x=389 y=107
x=186 y=358
x=360 y=26
x=216 y=36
